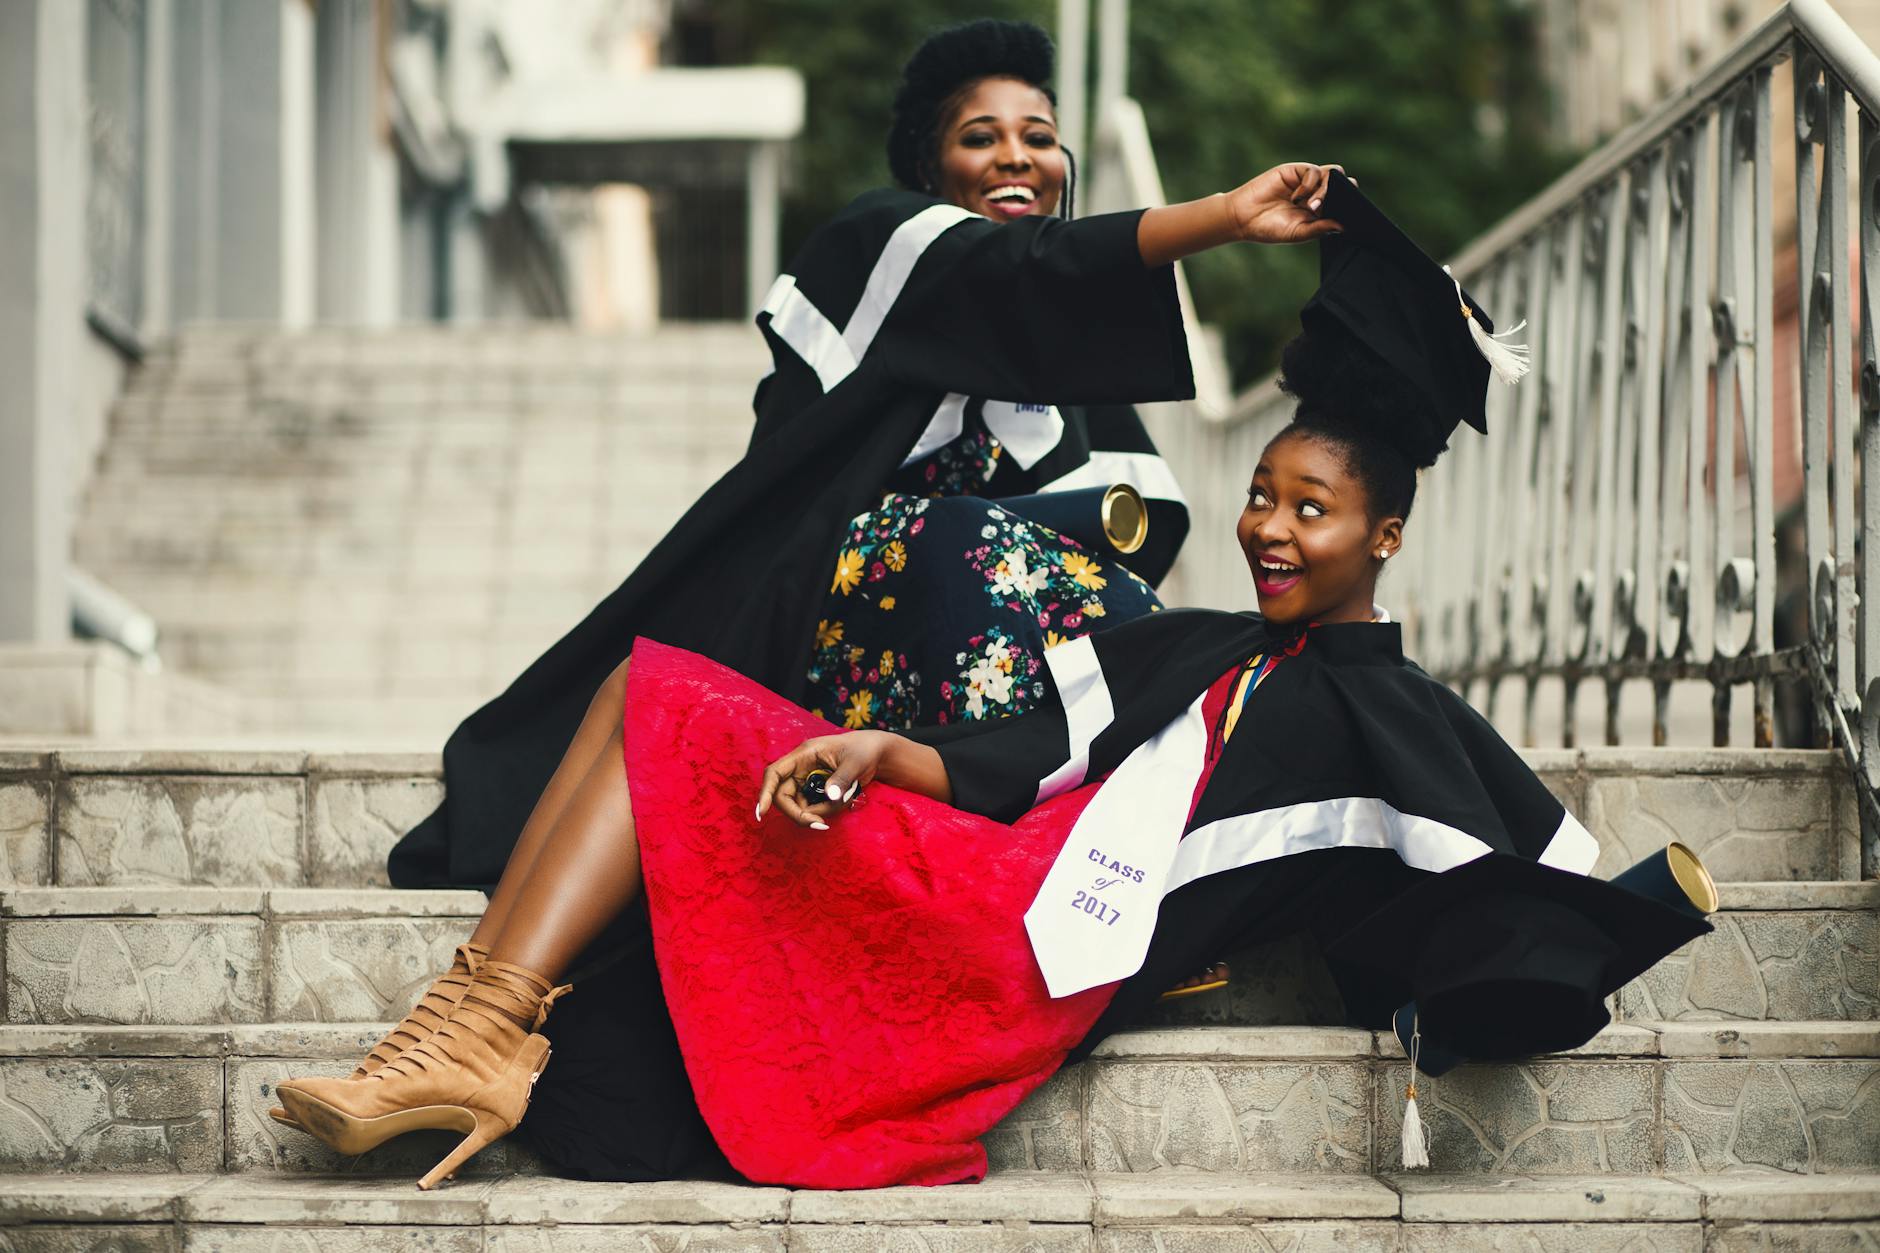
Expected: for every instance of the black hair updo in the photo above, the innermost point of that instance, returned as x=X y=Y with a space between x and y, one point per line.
x=1350 y=399
x=945 y=63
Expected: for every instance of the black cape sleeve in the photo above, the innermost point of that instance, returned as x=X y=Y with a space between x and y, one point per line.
x=1041 y=310
x=910 y=292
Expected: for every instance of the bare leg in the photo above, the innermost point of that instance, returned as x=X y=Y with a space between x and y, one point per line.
x=586 y=870
x=599 y=727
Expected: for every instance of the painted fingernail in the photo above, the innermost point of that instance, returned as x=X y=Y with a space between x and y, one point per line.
x=1315 y=204
x=758 y=813
x=819 y=826
x=850 y=794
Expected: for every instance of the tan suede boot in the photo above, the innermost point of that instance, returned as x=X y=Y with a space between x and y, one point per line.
x=473 y=1075
x=425 y=1017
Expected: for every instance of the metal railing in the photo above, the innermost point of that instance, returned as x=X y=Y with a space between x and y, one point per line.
x=1620 y=525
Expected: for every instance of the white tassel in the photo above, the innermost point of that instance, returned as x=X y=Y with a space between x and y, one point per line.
x=1508 y=361
x=1416 y=1154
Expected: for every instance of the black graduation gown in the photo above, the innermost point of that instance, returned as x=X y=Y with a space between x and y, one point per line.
x=1352 y=774
x=894 y=307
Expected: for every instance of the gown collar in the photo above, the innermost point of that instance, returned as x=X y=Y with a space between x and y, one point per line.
x=1347 y=643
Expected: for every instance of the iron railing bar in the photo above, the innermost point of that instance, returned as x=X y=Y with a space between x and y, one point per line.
x=1607 y=488
x=1647 y=367
x=1762 y=408
x=1840 y=381
x=1701 y=611
x=1869 y=235
x=1813 y=342
x=1679 y=320
x=1529 y=605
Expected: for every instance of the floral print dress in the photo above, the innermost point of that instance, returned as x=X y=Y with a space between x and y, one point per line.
x=941 y=604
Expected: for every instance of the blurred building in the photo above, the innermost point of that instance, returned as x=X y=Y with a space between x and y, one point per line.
x=1609 y=61
x=365 y=162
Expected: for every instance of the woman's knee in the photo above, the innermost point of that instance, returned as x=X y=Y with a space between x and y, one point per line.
x=613 y=691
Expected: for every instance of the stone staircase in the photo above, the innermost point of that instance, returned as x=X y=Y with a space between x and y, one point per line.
x=183 y=928
x=372 y=532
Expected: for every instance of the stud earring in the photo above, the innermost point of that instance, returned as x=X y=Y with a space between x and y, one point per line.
x=1383 y=554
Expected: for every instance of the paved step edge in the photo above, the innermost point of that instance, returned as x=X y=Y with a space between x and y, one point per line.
x=1081 y=1199
x=1755 y=1041
x=234 y=759
x=1777 y=896
x=75 y=904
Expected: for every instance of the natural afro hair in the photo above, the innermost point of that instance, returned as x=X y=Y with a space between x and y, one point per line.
x=945 y=63
x=1350 y=399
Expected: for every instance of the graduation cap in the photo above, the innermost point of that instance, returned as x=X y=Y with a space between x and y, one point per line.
x=1505 y=957
x=1376 y=285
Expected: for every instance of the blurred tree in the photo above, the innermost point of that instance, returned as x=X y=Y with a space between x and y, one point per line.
x=1436 y=105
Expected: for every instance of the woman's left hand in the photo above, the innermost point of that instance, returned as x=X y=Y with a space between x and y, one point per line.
x=852 y=760
x=1282 y=205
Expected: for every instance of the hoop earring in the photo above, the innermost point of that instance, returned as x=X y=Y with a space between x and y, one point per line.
x=1067 y=207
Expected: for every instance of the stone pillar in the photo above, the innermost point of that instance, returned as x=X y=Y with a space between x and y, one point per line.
x=358 y=214
x=243 y=184
x=43 y=149
x=160 y=88
x=764 y=190
x=1073 y=76
x=1112 y=54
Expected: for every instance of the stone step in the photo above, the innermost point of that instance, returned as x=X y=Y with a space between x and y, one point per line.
x=1638 y=1099
x=176 y=446
x=461 y=405
x=526 y=348
x=318 y=459
x=1172 y=1212
x=100 y=817
x=181 y=955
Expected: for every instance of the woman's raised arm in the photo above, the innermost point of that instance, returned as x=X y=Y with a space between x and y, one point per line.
x=1280 y=206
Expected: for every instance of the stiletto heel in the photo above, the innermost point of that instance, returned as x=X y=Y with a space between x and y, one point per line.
x=473 y=1075
x=487 y=1130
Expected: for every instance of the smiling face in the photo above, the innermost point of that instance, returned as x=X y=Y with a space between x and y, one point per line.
x=998 y=151
x=1309 y=536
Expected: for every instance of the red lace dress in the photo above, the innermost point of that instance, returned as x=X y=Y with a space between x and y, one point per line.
x=855 y=1007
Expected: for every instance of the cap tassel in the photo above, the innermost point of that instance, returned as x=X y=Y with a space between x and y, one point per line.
x=1508 y=361
x=1416 y=1155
